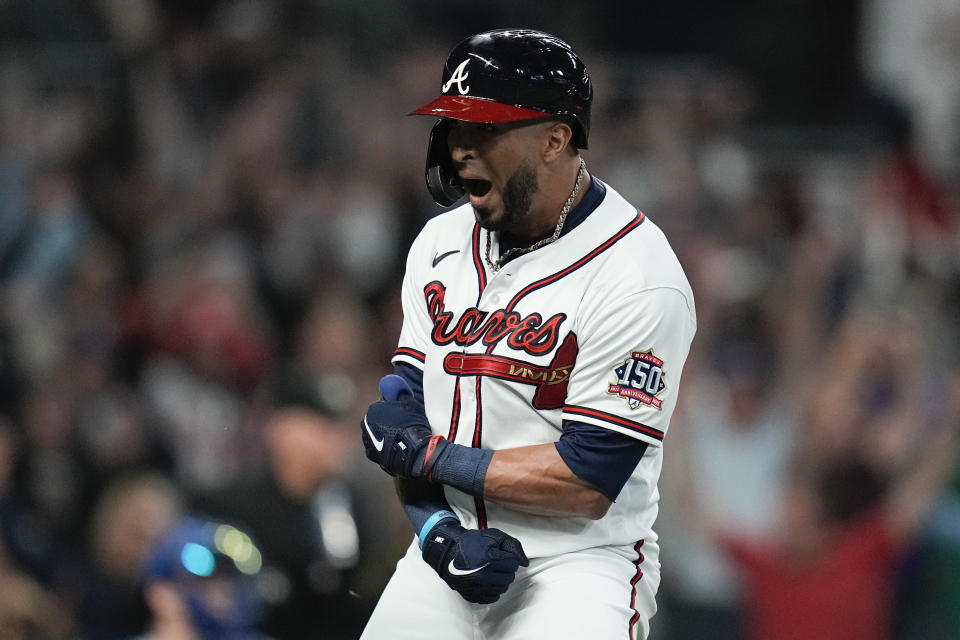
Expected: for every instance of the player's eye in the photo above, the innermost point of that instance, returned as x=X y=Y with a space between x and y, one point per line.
x=474 y=133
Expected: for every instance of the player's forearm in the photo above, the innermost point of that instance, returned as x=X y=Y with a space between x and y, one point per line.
x=535 y=479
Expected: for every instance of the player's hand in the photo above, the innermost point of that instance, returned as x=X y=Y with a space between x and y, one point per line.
x=395 y=431
x=479 y=565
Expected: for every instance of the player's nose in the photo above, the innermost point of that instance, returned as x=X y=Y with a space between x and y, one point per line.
x=462 y=144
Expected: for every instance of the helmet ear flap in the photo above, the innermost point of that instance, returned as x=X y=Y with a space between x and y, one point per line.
x=443 y=183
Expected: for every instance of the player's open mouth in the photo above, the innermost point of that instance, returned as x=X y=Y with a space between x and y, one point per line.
x=477 y=188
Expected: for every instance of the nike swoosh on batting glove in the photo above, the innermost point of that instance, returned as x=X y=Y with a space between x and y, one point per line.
x=479 y=565
x=395 y=431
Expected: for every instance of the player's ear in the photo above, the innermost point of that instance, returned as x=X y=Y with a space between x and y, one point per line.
x=556 y=139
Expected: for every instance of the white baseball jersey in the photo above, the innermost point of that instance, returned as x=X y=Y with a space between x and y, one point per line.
x=594 y=327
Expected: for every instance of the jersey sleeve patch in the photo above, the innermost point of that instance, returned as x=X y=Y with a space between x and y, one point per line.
x=639 y=379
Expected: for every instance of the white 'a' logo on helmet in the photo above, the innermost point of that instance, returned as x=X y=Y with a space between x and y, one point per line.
x=460 y=74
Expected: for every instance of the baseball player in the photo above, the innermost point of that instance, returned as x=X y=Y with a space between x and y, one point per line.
x=546 y=324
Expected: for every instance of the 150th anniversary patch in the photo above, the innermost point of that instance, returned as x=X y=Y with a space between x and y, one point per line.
x=640 y=378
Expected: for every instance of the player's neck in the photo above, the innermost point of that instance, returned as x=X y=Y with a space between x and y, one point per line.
x=556 y=190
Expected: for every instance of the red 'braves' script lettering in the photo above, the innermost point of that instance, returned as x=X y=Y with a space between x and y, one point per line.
x=530 y=334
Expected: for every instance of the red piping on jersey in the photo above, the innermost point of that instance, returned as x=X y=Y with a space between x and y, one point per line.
x=633 y=588
x=478 y=429
x=455 y=413
x=478 y=262
x=614 y=419
x=539 y=284
x=413 y=353
x=481 y=508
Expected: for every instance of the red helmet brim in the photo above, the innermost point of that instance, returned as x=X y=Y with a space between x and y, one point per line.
x=471 y=109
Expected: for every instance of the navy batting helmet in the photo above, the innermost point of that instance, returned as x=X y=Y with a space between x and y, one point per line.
x=505 y=75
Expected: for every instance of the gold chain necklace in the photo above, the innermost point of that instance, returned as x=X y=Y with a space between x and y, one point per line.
x=495 y=266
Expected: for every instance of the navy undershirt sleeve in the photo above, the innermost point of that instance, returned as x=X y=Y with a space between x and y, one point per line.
x=602 y=458
x=420 y=499
x=414 y=378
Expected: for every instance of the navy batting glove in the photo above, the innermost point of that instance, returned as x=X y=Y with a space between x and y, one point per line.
x=477 y=564
x=395 y=431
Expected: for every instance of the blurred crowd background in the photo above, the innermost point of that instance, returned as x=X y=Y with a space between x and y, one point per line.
x=204 y=210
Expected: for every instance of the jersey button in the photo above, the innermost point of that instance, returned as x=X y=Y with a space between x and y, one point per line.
x=495 y=299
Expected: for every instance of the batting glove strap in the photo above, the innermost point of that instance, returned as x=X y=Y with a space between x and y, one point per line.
x=432 y=521
x=432 y=453
x=479 y=565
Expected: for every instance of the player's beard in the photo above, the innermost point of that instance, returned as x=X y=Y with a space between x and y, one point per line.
x=516 y=200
